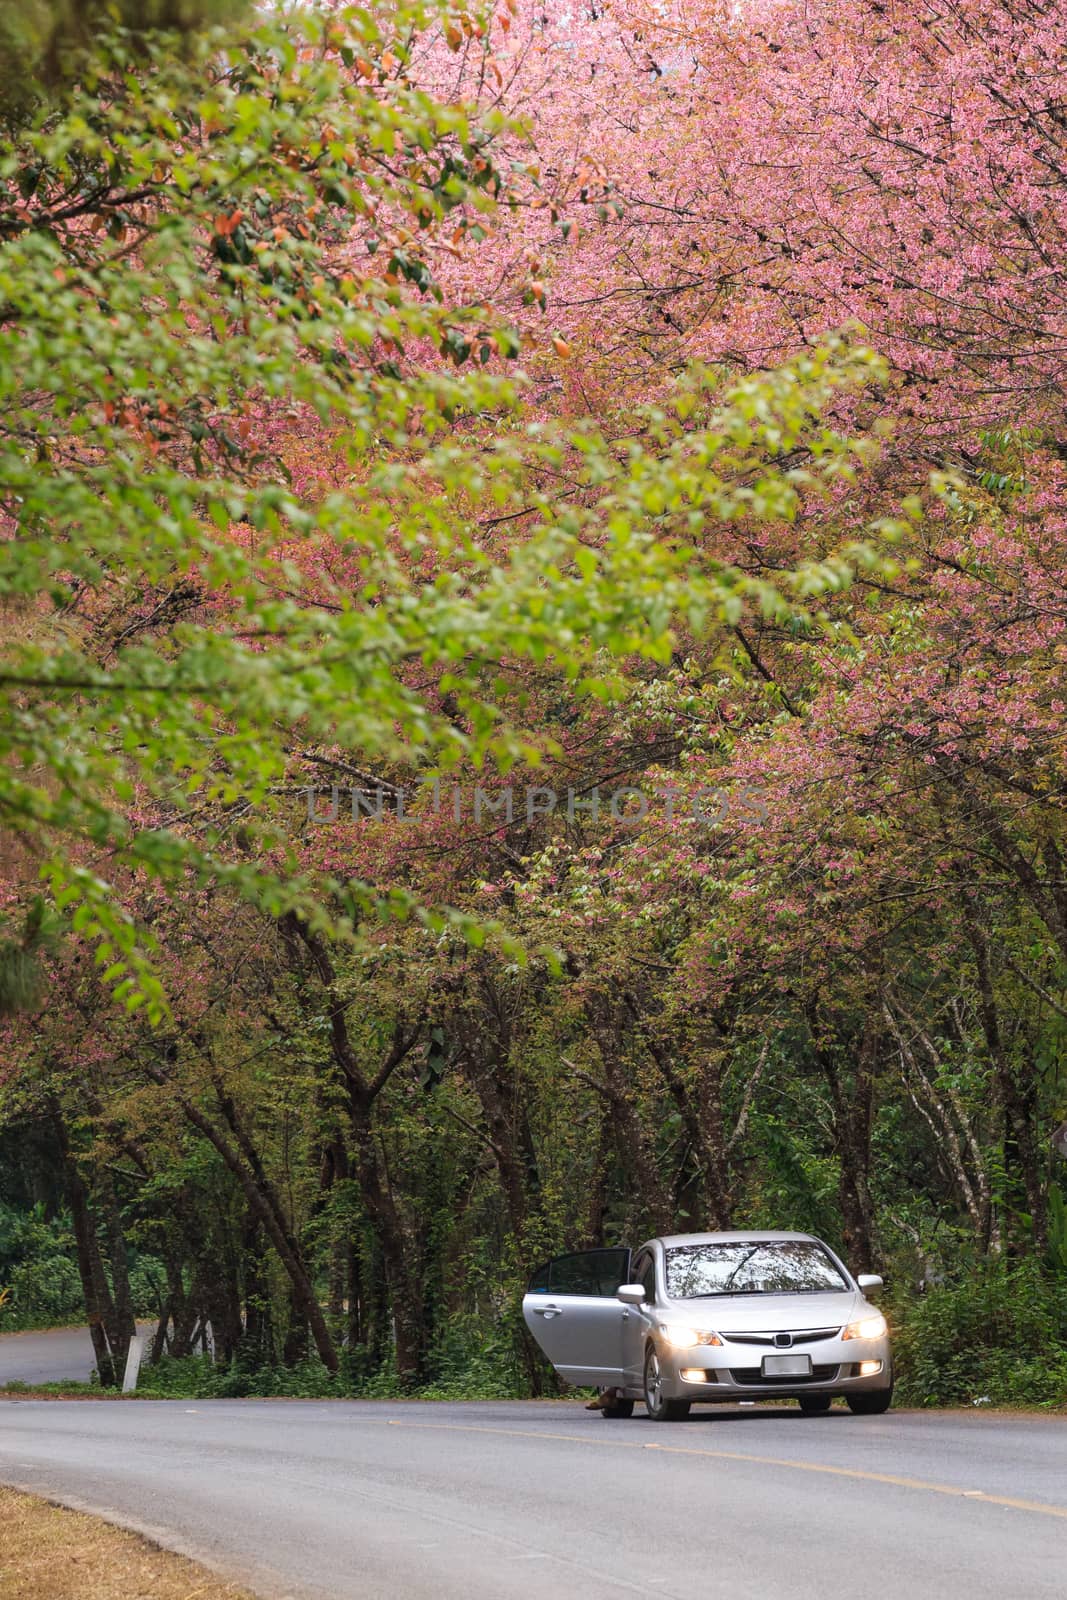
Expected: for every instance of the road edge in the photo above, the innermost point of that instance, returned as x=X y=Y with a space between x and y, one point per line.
x=262 y=1582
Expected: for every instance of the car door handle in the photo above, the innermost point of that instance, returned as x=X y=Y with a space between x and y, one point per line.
x=548 y=1311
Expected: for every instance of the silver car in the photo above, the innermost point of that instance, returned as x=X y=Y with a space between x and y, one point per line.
x=712 y=1317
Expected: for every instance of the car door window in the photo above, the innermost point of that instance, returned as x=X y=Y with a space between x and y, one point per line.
x=587 y=1273
x=538 y=1283
x=647 y=1277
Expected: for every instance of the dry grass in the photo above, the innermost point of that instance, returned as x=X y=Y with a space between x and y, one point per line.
x=47 y=1553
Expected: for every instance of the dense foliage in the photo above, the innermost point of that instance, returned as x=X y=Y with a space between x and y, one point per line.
x=518 y=731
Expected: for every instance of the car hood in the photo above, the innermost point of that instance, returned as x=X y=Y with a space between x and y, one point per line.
x=770 y=1313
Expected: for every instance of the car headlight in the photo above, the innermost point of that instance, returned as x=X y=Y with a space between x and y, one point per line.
x=682 y=1338
x=867 y=1328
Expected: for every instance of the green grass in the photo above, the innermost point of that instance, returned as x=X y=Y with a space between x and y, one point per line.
x=66 y=1388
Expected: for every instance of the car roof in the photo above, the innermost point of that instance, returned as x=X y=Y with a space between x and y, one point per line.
x=733 y=1236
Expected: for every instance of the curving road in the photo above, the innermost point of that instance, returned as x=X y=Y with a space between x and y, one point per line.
x=51 y=1356
x=493 y=1500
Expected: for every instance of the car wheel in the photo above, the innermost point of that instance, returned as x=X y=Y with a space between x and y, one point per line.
x=617 y=1408
x=659 y=1408
x=870 y=1402
x=813 y=1405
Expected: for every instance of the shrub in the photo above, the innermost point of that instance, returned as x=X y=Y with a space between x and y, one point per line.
x=471 y=1362
x=999 y=1335
x=38 y=1269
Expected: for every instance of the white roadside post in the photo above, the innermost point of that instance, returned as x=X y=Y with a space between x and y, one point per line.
x=133 y=1363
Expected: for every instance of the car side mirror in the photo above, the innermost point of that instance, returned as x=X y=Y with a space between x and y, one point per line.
x=869 y=1282
x=631 y=1294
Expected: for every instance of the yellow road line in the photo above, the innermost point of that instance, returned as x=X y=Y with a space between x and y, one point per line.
x=895 y=1481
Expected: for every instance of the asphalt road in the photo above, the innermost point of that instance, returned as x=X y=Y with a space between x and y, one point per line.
x=493 y=1500
x=46 y=1357
x=58 y=1354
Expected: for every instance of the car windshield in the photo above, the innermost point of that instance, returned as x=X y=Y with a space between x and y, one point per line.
x=782 y=1266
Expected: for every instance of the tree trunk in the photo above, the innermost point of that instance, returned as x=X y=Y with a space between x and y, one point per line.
x=510 y=1164
x=975 y=1193
x=631 y=1138
x=853 y=1105
x=404 y=1289
x=99 y=1307
x=700 y=1108
x=1017 y=1090
x=121 y=1324
x=378 y=1201
x=598 y=1187
x=264 y=1204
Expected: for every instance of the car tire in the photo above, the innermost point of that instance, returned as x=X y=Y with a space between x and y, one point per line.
x=814 y=1405
x=658 y=1408
x=617 y=1408
x=870 y=1402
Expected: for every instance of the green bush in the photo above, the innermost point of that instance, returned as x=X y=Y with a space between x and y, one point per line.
x=471 y=1362
x=148 y=1285
x=468 y=1363
x=44 y=1291
x=198 y=1378
x=1000 y=1335
x=38 y=1269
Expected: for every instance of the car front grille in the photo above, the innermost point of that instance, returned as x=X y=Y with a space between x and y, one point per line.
x=798 y=1336
x=752 y=1377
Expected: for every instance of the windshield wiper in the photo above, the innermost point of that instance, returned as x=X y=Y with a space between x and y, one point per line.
x=745 y=1259
x=718 y=1294
x=729 y=1294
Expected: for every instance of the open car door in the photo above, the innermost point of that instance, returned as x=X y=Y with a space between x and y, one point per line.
x=571 y=1310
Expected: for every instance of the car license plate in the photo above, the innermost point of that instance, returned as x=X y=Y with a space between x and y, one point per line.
x=787 y=1366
